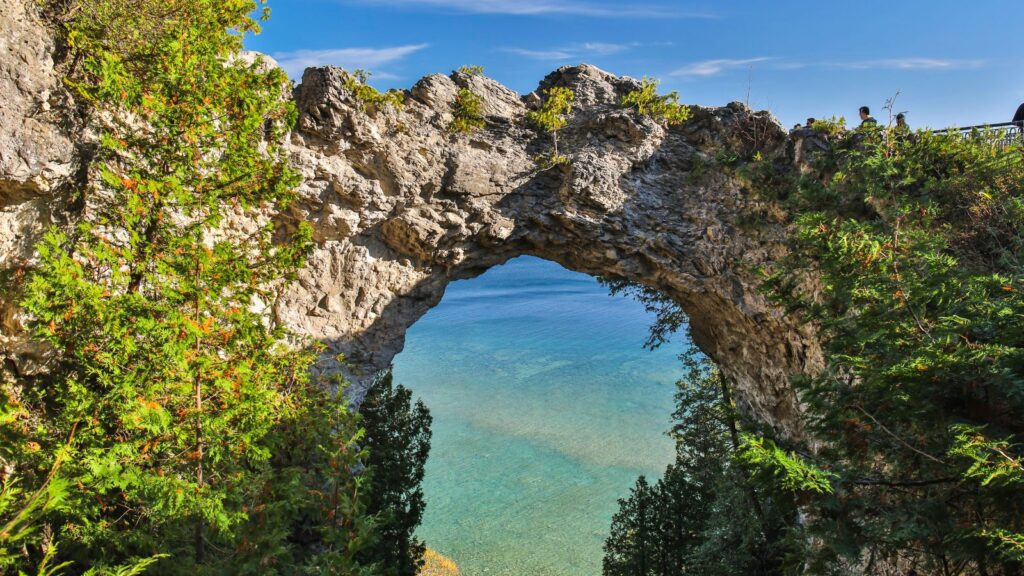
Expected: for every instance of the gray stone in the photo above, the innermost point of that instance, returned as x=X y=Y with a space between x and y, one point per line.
x=401 y=207
x=36 y=153
x=631 y=203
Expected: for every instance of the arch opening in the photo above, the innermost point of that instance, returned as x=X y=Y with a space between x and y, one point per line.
x=546 y=409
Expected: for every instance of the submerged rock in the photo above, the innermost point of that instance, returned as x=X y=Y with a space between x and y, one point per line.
x=435 y=564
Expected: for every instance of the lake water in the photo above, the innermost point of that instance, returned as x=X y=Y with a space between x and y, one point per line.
x=546 y=409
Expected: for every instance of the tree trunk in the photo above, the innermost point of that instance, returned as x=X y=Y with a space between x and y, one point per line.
x=755 y=502
x=200 y=544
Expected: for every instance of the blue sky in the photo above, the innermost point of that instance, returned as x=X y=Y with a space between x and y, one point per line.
x=952 y=61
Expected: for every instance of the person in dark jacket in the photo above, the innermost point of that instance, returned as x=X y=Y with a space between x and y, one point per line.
x=902 y=129
x=1018 y=117
x=865 y=117
x=1018 y=124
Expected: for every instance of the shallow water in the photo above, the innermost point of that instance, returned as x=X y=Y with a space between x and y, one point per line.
x=546 y=409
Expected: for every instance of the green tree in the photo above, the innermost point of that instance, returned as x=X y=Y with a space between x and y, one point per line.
x=916 y=417
x=471 y=70
x=170 y=387
x=366 y=96
x=552 y=117
x=648 y=102
x=467 y=112
x=630 y=549
x=20 y=520
x=313 y=517
x=705 y=516
x=398 y=441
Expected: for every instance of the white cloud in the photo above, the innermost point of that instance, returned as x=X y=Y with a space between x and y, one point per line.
x=603 y=48
x=572 y=52
x=541 y=54
x=911 y=64
x=294 y=63
x=707 y=68
x=546 y=7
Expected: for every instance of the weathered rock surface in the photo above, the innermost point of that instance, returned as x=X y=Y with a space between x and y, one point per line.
x=37 y=154
x=400 y=207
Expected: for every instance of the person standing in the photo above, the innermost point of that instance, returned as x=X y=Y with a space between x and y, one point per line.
x=1018 y=124
x=902 y=129
x=865 y=117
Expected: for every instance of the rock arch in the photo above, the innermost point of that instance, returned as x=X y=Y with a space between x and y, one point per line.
x=401 y=207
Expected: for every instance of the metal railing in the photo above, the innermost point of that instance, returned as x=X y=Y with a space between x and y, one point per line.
x=1003 y=134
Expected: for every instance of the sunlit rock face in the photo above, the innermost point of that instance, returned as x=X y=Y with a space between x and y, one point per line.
x=38 y=157
x=400 y=206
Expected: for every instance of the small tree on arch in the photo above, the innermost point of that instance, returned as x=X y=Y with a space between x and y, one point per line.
x=648 y=102
x=552 y=116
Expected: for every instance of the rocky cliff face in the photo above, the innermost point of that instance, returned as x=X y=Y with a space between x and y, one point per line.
x=400 y=207
x=38 y=157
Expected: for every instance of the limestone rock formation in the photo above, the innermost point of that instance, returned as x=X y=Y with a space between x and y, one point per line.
x=36 y=152
x=401 y=207
x=38 y=157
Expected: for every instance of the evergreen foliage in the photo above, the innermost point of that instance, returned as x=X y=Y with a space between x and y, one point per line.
x=366 y=96
x=917 y=416
x=631 y=546
x=314 y=518
x=176 y=425
x=471 y=70
x=786 y=469
x=179 y=433
x=20 y=514
x=703 y=516
x=467 y=112
x=398 y=440
x=552 y=117
x=669 y=318
x=832 y=127
x=648 y=102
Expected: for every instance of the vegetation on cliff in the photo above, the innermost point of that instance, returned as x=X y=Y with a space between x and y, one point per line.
x=467 y=113
x=398 y=439
x=357 y=83
x=177 y=431
x=648 y=102
x=906 y=256
x=552 y=117
x=704 y=515
x=916 y=241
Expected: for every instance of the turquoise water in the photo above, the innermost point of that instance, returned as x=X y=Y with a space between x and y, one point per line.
x=546 y=409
